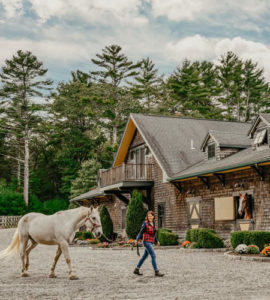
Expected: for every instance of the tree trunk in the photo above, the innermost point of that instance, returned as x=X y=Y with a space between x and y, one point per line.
x=26 y=171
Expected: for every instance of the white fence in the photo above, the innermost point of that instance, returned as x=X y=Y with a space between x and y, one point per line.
x=9 y=221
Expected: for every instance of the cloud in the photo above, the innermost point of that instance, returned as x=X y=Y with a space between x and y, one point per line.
x=94 y=11
x=198 y=47
x=11 y=7
x=192 y=10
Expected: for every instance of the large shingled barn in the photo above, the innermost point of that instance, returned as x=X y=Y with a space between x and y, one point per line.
x=192 y=172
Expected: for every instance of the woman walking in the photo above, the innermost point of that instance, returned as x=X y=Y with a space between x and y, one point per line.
x=148 y=232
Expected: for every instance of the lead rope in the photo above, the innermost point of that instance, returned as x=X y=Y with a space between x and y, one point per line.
x=107 y=238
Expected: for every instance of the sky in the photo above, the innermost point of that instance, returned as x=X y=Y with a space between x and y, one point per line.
x=66 y=34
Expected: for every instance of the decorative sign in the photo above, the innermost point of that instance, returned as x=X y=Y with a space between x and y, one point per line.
x=224 y=209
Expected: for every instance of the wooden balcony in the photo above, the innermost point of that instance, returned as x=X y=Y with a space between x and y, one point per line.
x=125 y=172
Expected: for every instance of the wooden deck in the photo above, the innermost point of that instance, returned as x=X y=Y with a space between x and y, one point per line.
x=126 y=172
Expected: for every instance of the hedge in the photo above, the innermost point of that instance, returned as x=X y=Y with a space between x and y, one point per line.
x=166 y=237
x=106 y=222
x=83 y=235
x=258 y=238
x=135 y=215
x=205 y=237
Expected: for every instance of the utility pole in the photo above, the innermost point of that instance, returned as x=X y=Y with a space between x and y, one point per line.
x=26 y=171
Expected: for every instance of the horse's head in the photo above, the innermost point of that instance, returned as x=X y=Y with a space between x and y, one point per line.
x=242 y=203
x=93 y=222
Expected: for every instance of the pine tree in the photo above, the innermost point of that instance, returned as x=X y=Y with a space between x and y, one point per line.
x=115 y=68
x=231 y=81
x=135 y=215
x=192 y=89
x=86 y=179
x=106 y=222
x=22 y=81
x=147 y=85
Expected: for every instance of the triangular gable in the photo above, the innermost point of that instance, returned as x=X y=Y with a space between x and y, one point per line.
x=259 y=118
x=125 y=143
x=127 y=140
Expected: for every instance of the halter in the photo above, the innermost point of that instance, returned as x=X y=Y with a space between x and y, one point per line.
x=94 y=225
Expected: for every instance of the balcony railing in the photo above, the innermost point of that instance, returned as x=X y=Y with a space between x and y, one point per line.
x=125 y=172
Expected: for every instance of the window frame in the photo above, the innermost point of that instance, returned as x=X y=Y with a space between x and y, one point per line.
x=213 y=146
x=161 y=204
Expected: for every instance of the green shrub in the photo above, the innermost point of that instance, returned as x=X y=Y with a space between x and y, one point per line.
x=83 y=235
x=253 y=249
x=167 y=238
x=194 y=245
x=52 y=206
x=160 y=230
x=135 y=215
x=258 y=238
x=35 y=205
x=188 y=235
x=205 y=237
x=11 y=202
x=208 y=239
x=106 y=222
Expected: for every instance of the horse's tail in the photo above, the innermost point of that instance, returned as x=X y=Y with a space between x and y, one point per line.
x=13 y=247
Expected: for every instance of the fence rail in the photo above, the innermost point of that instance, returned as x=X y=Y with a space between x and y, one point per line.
x=125 y=172
x=9 y=221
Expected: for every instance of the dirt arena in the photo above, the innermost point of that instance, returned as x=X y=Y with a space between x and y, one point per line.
x=107 y=274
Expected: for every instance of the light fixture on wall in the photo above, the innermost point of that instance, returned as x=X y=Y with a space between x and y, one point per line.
x=237 y=184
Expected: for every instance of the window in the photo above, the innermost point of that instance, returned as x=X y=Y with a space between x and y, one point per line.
x=161 y=215
x=246 y=209
x=124 y=214
x=261 y=137
x=211 y=151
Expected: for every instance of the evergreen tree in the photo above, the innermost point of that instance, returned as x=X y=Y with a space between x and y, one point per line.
x=106 y=222
x=135 y=215
x=231 y=82
x=22 y=81
x=87 y=178
x=192 y=88
x=114 y=69
x=147 y=85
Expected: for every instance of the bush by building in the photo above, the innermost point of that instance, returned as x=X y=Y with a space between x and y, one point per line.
x=135 y=215
x=166 y=237
x=258 y=238
x=106 y=222
x=205 y=237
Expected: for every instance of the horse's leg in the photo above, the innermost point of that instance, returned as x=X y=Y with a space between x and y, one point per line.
x=58 y=253
x=23 y=244
x=28 y=250
x=64 y=248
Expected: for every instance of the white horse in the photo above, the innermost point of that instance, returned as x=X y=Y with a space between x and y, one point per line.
x=57 y=229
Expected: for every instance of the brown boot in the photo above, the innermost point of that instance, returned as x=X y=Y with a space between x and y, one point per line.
x=137 y=271
x=157 y=273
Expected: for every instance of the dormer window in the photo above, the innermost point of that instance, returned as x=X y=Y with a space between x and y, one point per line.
x=211 y=151
x=261 y=138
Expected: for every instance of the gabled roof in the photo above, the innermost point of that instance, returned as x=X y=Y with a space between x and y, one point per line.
x=242 y=158
x=265 y=117
x=228 y=139
x=170 y=138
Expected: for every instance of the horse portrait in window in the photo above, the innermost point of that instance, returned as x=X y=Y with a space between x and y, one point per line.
x=244 y=206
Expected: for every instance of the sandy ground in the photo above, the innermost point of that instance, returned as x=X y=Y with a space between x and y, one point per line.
x=107 y=274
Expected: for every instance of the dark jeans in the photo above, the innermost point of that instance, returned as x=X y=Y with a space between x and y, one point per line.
x=149 y=249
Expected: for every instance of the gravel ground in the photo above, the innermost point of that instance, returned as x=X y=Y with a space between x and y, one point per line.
x=107 y=274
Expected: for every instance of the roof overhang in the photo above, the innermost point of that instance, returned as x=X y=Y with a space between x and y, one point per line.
x=228 y=169
x=128 y=185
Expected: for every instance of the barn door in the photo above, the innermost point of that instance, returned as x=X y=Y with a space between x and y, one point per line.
x=194 y=211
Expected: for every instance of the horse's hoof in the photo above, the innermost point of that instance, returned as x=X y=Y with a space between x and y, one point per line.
x=73 y=277
x=52 y=276
x=25 y=275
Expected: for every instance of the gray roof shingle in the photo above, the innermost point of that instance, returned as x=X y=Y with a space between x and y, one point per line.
x=231 y=139
x=170 y=138
x=242 y=158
